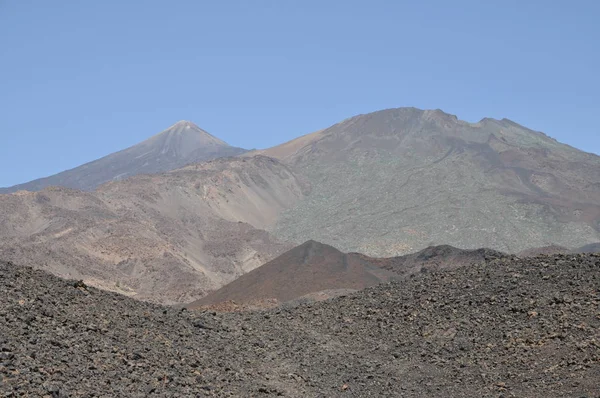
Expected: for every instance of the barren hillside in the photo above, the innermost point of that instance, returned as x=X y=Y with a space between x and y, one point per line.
x=169 y=237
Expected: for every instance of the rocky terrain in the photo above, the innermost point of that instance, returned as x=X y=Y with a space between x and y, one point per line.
x=507 y=328
x=179 y=145
x=168 y=238
x=395 y=181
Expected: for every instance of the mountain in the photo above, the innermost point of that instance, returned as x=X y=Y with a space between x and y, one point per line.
x=308 y=268
x=179 y=145
x=512 y=328
x=385 y=184
x=168 y=238
x=396 y=181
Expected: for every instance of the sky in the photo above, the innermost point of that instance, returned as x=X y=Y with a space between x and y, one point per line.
x=82 y=79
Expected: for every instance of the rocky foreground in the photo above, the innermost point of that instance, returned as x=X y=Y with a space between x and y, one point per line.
x=511 y=327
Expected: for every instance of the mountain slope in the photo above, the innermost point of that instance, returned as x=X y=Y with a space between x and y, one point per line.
x=169 y=238
x=396 y=181
x=179 y=145
x=309 y=268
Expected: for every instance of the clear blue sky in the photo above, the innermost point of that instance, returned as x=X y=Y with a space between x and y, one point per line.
x=81 y=79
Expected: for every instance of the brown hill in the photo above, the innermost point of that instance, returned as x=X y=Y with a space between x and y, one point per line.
x=315 y=271
x=175 y=147
x=309 y=268
x=398 y=180
x=169 y=238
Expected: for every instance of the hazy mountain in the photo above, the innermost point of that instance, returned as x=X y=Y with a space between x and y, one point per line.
x=168 y=237
x=396 y=181
x=179 y=145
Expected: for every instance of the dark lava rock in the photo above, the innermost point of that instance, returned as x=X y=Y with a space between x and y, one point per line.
x=505 y=328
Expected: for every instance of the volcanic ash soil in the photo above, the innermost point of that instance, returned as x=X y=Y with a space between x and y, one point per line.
x=507 y=328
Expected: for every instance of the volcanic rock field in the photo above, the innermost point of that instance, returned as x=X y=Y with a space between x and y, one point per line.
x=507 y=327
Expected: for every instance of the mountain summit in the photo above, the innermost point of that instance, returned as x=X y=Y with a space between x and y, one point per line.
x=175 y=147
x=182 y=138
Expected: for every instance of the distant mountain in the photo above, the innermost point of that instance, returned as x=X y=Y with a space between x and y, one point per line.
x=167 y=238
x=396 y=181
x=179 y=145
x=309 y=268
